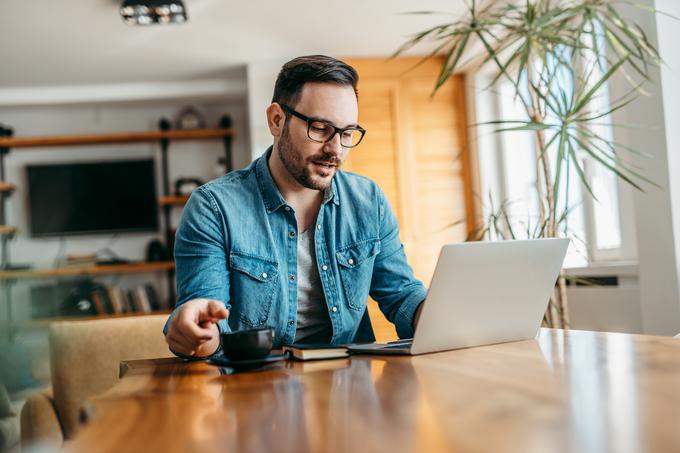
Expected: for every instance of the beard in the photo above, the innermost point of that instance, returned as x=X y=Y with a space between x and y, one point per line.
x=302 y=169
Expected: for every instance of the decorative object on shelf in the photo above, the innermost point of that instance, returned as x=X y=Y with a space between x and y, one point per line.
x=189 y=118
x=156 y=251
x=78 y=299
x=184 y=186
x=147 y=12
x=80 y=260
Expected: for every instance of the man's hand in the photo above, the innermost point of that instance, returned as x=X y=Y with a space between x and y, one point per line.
x=194 y=331
x=416 y=317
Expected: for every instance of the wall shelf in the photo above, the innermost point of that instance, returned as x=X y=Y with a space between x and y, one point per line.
x=173 y=200
x=6 y=187
x=44 y=323
x=122 y=137
x=127 y=268
x=7 y=230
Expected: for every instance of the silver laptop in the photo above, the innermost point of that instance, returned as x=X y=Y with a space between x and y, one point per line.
x=483 y=293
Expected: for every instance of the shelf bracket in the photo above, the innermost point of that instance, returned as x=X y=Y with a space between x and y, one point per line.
x=226 y=123
x=165 y=125
x=5 y=132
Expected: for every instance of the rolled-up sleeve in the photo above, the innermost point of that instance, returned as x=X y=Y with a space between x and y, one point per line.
x=393 y=284
x=200 y=254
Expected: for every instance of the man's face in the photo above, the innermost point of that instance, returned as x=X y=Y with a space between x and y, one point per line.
x=310 y=163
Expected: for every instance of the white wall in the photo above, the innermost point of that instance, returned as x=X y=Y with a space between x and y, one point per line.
x=261 y=78
x=656 y=239
x=669 y=36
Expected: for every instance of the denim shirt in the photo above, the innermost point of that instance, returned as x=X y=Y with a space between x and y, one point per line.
x=237 y=243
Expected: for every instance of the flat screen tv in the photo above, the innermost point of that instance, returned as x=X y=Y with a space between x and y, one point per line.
x=91 y=198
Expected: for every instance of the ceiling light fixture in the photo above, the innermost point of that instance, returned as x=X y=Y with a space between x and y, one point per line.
x=147 y=12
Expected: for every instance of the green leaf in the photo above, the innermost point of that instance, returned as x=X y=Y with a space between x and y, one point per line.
x=561 y=144
x=526 y=127
x=579 y=170
x=580 y=103
x=609 y=166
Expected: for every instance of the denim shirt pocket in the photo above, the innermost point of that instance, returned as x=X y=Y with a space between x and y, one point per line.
x=253 y=284
x=356 y=270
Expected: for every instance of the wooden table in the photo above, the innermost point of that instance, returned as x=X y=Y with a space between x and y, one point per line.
x=565 y=391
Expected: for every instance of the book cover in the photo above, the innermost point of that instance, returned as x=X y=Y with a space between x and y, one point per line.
x=106 y=300
x=315 y=351
x=130 y=301
x=118 y=303
x=141 y=301
x=98 y=302
x=152 y=297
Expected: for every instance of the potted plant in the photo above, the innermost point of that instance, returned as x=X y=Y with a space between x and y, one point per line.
x=559 y=56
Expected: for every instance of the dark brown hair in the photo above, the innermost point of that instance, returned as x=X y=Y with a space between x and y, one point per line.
x=311 y=68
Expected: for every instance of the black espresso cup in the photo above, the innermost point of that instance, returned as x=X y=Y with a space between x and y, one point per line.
x=249 y=344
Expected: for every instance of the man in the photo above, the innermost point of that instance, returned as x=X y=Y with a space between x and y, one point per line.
x=291 y=242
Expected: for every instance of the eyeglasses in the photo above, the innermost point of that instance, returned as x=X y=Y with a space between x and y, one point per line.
x=323 y=131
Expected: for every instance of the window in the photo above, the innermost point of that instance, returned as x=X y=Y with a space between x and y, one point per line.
x=508 y=175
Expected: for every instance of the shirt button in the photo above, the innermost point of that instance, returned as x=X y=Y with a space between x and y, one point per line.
x=287 y=208
x=335 y=309
x=350 y=261
x=318 y=227
x=292 y=277
x=291 y=322
x=324 y=267
x=292 y=234
x=264 y=275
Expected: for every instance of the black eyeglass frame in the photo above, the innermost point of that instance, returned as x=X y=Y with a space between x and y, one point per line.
x=336 y=130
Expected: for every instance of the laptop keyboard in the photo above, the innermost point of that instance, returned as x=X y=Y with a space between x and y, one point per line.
x=403 y=345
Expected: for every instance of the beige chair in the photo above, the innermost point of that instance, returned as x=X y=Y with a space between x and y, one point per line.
x=84 y=359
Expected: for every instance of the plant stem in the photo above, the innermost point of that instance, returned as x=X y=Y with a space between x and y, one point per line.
x=564 y=306
x=558 y=313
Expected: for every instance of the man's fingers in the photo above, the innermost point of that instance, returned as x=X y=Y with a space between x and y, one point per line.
x=189 y=339
x=217 y=310
x=179 y=344
x=193 y=331
x=193 y=325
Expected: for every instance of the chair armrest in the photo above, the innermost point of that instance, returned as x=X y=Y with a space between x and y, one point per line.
x=9 y=432
x=40 y=422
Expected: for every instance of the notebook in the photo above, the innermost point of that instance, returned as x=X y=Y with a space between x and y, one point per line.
x=315 y=351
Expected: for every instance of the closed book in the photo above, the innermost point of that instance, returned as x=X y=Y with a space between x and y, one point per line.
x=141 y=301
x=117 y=299
x=106 y=300
x=130 y=301
x=153 y=298
x=315 y=351
x=98 y=302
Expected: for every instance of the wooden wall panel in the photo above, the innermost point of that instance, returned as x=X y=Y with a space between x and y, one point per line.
x=415 y=149
x=375 y=157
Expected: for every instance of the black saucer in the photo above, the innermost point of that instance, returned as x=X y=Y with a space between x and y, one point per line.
x=223 y=361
